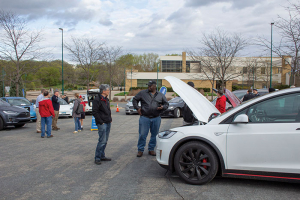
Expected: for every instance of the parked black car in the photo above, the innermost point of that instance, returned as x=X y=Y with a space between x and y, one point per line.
x=12 y=115
x=175 y=108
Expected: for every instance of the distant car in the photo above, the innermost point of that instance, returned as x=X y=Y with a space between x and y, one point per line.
x=88 y=109
x=175 y=108
x=65 y=109
x=12 y=115
x=129 y=109
x=24 y=103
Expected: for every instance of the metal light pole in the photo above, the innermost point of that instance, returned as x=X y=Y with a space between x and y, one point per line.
x=271 y=53
x=62 y=60
x=253 y=77
x=157 y=77
x=3 y=87
x=131 y=79
x=124 y=81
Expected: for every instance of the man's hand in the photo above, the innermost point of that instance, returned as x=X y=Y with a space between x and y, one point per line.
x=140 y=111
x=160 y=108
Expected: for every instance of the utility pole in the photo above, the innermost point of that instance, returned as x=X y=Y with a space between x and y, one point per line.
x=271 y=53
x=62 y=60
x=157 y=76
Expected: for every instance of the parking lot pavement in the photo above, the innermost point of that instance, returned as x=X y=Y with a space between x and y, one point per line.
x=62 y=167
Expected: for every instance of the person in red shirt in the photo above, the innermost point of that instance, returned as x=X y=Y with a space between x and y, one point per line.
x=221 y=102
x=82 y=114
x=47 y=112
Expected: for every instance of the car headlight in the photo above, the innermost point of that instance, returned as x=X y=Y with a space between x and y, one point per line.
x=10 y=112
x=171 y=108
x=166 y=134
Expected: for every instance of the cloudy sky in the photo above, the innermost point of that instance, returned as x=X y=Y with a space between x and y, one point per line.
x=141 y=26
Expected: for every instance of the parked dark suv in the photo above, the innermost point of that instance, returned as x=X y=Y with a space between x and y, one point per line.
x=12 y=115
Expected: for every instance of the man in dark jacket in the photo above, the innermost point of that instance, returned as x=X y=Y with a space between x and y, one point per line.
x=188 y=117
x=255 y=92
x=56 y=105
x=102 y=113
x=153 y=103
x=249 y=95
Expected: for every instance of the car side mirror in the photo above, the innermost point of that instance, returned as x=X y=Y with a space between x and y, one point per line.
x=241 y=119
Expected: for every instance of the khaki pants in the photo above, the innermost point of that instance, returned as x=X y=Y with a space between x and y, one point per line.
x=38 y=119
x=54 y=119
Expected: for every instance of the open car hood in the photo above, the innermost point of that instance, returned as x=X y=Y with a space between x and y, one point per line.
x=201 y=107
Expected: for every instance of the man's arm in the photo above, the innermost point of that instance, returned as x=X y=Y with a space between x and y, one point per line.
x=95 y=111
x=136 y=100
x=165 y=103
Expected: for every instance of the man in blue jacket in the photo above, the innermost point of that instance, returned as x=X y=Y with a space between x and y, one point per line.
x=56 y=106
x=153 y=103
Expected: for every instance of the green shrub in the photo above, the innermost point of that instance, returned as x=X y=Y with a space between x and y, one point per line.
x=121 y=94
x=280 y=87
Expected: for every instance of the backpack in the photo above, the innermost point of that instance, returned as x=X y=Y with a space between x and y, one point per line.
x=79 y=109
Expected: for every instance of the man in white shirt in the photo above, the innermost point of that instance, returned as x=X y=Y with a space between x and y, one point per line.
x=38 y=116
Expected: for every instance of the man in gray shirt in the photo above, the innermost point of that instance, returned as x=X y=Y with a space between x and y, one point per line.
x=38 y=116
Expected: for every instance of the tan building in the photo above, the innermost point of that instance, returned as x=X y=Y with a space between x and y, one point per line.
x=241 y=72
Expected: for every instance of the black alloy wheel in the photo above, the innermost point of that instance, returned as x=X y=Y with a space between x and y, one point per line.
x=196 y=163
x=177 y=113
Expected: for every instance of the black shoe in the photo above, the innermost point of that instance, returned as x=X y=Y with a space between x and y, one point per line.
x=97 y=162
x=50 y=136
x=42 y=136
x=105 y=159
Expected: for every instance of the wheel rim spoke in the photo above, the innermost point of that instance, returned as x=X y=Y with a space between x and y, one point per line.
x=198 y=174
x=198 y=154
x=204 y=170
x=203 y=157
x=184 y=163
x=187 y=169
x=186 y=157
x=205 y=164
x=192 y=174
x=191 y=154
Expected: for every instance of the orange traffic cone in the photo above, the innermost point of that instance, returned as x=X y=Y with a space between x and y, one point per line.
x=117 y=108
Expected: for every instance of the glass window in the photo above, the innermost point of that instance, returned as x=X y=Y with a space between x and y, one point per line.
x=176 y=100
x=19 y=102
x=4 y=103
x=62 y=102
x=282 y=109
x=244 y=70
x=171 y=66
x=263 y=70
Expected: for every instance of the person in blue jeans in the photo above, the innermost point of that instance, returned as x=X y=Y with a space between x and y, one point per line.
x=47 y=112
x=102 y=113
x=75 y=115
x=153 y=103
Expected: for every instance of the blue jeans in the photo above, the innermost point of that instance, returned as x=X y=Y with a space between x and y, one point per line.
x=145 y=124
x=77 y=123
x=103 y=131
x=48 y=121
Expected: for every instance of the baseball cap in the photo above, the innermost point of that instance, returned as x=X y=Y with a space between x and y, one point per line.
x=151 y=83
x=190 y=83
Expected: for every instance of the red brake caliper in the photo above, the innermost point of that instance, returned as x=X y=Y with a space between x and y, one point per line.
x=204 y=161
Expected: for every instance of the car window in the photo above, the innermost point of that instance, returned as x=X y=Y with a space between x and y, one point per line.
x=62 y=102
x=4 y=103
x=175 y=100
x=240 y=94
x=19 y=102
x=282 y=109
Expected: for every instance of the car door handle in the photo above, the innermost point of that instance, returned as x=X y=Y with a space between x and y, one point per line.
x=298 y=129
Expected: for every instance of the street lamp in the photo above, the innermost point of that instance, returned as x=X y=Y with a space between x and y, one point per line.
x=124 y=81
x=271 y=53
x=62 y=60
x=157 y=76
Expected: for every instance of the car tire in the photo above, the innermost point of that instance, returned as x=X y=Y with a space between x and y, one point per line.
x=177 y=113
x=19 y=125
x=1 y=124
x=127 y=113
x=196 y=163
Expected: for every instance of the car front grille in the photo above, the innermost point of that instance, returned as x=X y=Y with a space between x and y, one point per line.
x=24 y=114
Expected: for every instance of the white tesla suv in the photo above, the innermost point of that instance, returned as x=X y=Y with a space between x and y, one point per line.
x=259 y=139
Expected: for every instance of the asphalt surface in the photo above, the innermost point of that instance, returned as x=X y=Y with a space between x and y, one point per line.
x=63 y=167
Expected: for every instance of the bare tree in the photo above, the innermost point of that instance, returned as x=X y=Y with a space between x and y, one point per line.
x=217 y=54
x=17 y=44
x=86 y=52
x=288 y=48
x=110 y=54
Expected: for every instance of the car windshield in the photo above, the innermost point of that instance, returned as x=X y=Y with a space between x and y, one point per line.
x=175 y=100
x=19 y=102
x=240 y=94
x=62 y=102
x=3 y=103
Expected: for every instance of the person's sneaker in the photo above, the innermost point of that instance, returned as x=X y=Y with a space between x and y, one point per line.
x=79 y=130
x=57 y=128
x=152 y=153
x=50 y=136
x=105 y=159
x=82 y=128
x=97 y=162
x=75 y=132
x=42 y=136
x=38 y=131
x=139 y=154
